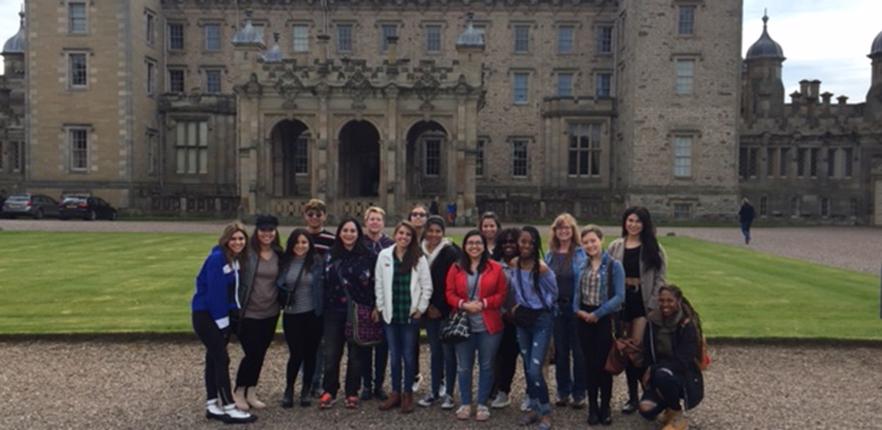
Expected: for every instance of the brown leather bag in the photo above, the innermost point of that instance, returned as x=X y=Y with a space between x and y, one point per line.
x=623 y=351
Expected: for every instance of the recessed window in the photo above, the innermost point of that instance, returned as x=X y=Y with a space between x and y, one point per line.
x=432 y=157
x=784 y=163
x=344 y=38
x=565 y=38
x=301 y=38
x=682 y=211
x=191 y=147
x=813 y=162
x=77 y=20
x=78 y=69
x=16 y=156
x=151 y=78
x=433 y=38
x=520 y=88
x=603 y=85
x=685 y=76
x=387 y=31
x=686 y=20
x=683 y=156
x=764 y=206
x=801 y=161
x=584 y=150
x=150 y=28
x=78 y=139
x=176 y=80
x=564 y=84
x=831 y=162
x=825 y=207
x=212 y=33
x=771 y=161
x=848 y=163
x=604 y=39
x=519 y=162
x=521 y=39
x=176 y=36
x=213 y=81
x=301 y=155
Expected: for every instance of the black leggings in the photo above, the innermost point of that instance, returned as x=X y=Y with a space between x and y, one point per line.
x=255 y=336
x=506 y=359
x=596 y=341
x=665 y=389
x=334 y=340
x=303 y=332
x=217 y=361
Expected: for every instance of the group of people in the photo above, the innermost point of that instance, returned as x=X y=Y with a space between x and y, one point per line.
x=497 y=297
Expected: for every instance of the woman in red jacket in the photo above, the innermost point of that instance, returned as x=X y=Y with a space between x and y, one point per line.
x=476 y=284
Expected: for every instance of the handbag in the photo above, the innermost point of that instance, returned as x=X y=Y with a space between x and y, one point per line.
x=456 y=327
x=360 y=328
x=523 y=316
x=621 y=352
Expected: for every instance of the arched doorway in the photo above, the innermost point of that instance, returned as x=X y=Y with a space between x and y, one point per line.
x=426 y=160
x=290 y=159
x=359 y=160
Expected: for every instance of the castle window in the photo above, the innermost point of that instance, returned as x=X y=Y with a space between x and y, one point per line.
x=848 y=165
x=176 y=80
x=300 y=36
x=212 y=34
x=521 y=39
x=78 y=141
x=433 y=39
x=831 y=162
x=191 y=147
x=683 y=156
x=16 y=156
x=150 y=28
x=344 y=38
x=771 y=161
x=479 y=157
x=604 y=39
x=584 y=151
x=813 y=162
x=78 y=70
x=387 y=31
x=301 y=155
x=565 y=37
x=151 y=78
x=432 y=157
x=564 y=84
x=801 y=160
x=686 y=20
x=795 y=206
x=783 y=167
x=519 y=162
x=603 y=85
x=685 y=76
x=77 y=21
x=213 y=81
x=175 y=36
x=520 y=88
x=682 y=211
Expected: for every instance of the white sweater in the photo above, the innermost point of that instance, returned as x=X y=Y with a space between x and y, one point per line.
x=420 y=284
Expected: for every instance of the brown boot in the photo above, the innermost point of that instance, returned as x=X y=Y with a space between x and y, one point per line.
x=406 y=403
x=391 y=402
x=677 y=421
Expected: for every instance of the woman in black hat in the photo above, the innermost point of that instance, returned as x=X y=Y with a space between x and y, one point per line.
x=259 y=308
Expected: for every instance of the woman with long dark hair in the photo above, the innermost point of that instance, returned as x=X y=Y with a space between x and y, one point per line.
x=644 y=261
x=598 y=296
x=216 y=285
x=403 y=287
x=260 y=308
x=672 y=353
x=300 y=283
x=507 y=355
x=489 y=226
x=349 y=275
x=535 y=294
x=477 y=286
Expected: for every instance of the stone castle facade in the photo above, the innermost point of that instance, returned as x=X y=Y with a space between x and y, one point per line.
x=524 y=107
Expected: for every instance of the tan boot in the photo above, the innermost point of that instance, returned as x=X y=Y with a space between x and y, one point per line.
x=239 y=399
x=664 y=418
x=676 y=421
x=252 y=399
x=406 y=403
x=391 y=402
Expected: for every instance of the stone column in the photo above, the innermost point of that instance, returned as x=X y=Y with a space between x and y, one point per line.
x=391 y=183
x=322 y=183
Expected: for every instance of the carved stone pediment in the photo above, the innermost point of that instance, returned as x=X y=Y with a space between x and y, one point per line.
x=289 y=86
x=359 y=87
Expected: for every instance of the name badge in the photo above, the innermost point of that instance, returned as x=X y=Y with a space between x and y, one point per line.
x=227 y=269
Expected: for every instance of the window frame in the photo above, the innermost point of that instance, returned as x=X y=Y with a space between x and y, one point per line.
x=170 y=82
x=604 y=45
x=584 y=151
x=434 y=158
x=384 y=37
x=480 y=148
x=70 y=70
x=428 y=31
x=683 y=170
x=199 y=150
x=206 y=39
x=151 y=84
x=682 y=210
x=206 y=81
x=681 y=79
x=514 y=88
x=70 y=18
x=520 y=157
x=520 y=45
x=349 y=40
x=171 y=45
x=150 y=20
x=572 y=39
x=78 y=154
x=571 y=88
x=300 y=42
x=598 y=77
x=686 y=24
x=16 y=156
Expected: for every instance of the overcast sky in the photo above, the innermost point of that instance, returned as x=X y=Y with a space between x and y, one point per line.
x=822 y=39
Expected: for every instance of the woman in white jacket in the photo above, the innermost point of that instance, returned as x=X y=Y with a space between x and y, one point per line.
x=403 y=289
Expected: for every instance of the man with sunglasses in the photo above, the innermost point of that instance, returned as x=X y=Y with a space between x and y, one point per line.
x=315 y=215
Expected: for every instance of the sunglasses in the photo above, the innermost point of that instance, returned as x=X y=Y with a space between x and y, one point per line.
x=313 y=215
x=417 y=214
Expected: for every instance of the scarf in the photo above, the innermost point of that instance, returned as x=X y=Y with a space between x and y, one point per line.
x=430 y=256
x=664 y=337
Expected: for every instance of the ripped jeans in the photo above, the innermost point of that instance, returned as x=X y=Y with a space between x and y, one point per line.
x=533 y=343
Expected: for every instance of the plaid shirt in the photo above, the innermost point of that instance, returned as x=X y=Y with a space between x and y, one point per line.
x=590 y=286
x=400 y=294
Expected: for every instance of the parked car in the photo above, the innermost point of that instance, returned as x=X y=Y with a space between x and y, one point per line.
x=27 y=204
x=85 y=207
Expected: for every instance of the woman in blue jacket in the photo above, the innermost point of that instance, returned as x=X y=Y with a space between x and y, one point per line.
x=301 y=283
x=216 y=295
x=600 y=293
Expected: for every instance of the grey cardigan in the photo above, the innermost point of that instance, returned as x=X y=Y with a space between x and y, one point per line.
x=650 y=279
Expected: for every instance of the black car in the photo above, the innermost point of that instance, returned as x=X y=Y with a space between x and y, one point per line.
x=88 y=208
x=27 y=204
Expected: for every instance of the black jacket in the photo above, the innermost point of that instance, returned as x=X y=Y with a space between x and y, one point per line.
x=684 y=364
x=439 y=267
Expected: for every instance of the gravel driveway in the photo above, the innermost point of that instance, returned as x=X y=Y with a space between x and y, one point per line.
x=158 y=384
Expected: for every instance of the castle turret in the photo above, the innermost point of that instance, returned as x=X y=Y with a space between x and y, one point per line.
x=873 y=109
x=763 y=88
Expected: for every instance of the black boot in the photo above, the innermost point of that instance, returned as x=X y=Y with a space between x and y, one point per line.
x=288 y=398
x=593 y=412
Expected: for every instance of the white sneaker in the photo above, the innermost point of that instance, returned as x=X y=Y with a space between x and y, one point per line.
x=525 y=404
x=213 y=411
x=447 y=404
x=236 y=416
x=442 y=391
x=501 y=400
x=427 y=401
x=483 y=413
x=464 y=412
x=417 y=382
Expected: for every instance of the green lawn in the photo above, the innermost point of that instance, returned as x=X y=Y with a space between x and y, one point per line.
x=140 y=282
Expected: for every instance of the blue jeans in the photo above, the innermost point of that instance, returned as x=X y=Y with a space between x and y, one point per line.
x=533 y=342
x=570 y=379
x=402 y=339
x=443 y=358
x=486 y=345
x=745 y=230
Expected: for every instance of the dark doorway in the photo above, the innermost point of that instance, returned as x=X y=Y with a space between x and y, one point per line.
x=359 y=160
x=426 y=160
x=290 y=159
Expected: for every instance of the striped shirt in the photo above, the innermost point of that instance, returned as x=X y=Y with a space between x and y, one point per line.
x=322 y=241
